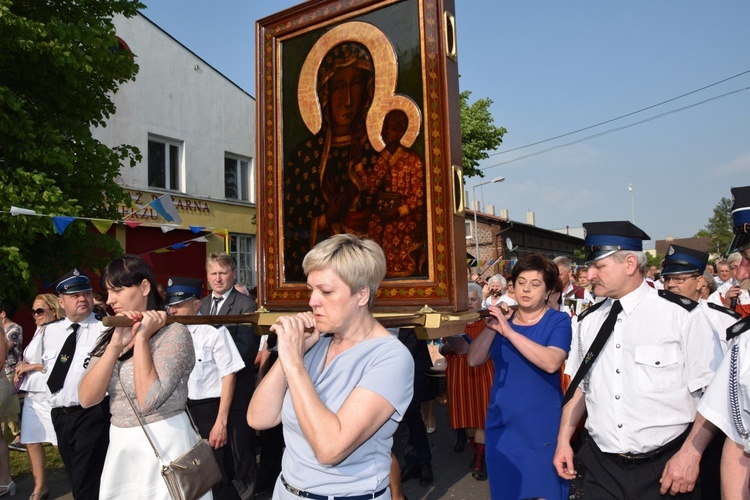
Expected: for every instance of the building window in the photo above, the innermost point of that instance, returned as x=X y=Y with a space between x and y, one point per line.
x=242 y=248
x=237 y=178
x=164 y=161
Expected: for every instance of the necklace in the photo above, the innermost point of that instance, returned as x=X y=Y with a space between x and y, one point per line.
x=531 y=320
x=374 y=321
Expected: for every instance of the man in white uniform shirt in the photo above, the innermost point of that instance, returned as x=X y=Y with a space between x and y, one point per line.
x=683 y=274
x=726 y=404
x=211 y=383
x=82 y=433
x=642 y=390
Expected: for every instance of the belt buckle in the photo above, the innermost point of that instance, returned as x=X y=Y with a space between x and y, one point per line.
x=295 y=491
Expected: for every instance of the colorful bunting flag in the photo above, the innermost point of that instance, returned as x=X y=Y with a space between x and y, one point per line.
x=61 y=223
x=102 y=225
x=165 y=207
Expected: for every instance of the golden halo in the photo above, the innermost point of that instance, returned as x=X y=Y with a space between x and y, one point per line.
x=386 y=74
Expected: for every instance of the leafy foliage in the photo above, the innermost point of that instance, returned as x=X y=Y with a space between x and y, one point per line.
x=60 y=62
x=719 y=227
x=478 y=133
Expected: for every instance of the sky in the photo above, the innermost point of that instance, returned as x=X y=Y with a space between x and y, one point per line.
x=553 y=68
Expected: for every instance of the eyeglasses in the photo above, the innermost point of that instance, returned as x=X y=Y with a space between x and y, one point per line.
x=39 y=312
x=679 y=280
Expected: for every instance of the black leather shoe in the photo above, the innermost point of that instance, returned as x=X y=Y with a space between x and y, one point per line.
x=409 y=472
x=425 y=474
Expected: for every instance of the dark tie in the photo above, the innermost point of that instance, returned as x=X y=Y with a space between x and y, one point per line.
x=215 y=306
x=596 y=347
x=56 y=379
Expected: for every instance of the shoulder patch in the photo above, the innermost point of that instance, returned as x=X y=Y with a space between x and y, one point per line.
x=590 y=309
x=741 y=326
x=717 y=307
x=684 y=302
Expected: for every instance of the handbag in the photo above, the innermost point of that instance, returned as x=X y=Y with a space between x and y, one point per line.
x=191 y=475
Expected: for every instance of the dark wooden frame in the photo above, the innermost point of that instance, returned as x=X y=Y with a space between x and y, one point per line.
x=443 y=288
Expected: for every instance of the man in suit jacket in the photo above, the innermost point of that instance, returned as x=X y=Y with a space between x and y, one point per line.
x=221 y=272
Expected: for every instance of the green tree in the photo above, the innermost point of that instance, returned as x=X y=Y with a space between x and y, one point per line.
x=60 y=62
x=719 y=227
x=654 y=260
x=478 y=133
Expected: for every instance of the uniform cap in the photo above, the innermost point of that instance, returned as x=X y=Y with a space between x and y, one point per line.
x=605 y=238
x=72 y=282
x=740 y=219
x=680 y=260
x=181 y=289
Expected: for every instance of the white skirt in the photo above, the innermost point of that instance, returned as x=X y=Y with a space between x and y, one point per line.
x=36 y=421
x=131 y=469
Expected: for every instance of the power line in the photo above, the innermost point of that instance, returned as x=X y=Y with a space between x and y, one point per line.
x=621 y=116
x=617 y=129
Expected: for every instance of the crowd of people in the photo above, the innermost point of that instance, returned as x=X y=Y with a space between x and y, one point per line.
x=636 y=371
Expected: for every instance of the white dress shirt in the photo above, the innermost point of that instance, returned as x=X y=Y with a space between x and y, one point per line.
x=715 y=405
x=216 y=356
x=56 y=333
x=642 y=390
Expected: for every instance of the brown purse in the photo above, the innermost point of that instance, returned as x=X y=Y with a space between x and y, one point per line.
x=191 y=475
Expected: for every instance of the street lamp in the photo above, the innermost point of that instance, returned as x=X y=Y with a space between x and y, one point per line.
x=632 y=204
x=476 y=227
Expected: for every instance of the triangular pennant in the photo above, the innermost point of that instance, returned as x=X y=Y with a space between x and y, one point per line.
x=163 y=250
x=132 y=223
x=21 y=211
x=61 y=223
x=165 y=228
x=197 y=229
x=177 y=246
x=102 y=225
x=201 y=239
x=147 y=258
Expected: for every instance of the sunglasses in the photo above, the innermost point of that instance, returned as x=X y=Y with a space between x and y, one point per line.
x=39 y=312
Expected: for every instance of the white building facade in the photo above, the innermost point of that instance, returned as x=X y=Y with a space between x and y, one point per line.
x=196 y=131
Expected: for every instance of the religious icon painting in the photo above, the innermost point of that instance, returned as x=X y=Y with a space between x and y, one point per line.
x=359 y=132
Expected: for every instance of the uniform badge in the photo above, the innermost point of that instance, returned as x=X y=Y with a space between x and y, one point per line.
x=64 y=358
x=169 y=283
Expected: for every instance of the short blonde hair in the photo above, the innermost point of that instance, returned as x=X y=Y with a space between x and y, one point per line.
x=359 y=262
x=52 y=303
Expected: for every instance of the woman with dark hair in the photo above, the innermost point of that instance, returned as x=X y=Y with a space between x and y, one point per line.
x=528 y=348
x=323 y=192
x=152 y=362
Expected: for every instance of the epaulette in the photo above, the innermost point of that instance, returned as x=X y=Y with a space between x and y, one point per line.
x=55 y=321
x=741 y=326
x=725 y=310
x=680 y=300
x=591 y=308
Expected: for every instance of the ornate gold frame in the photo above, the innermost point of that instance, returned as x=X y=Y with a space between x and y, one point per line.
x=434 y=128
